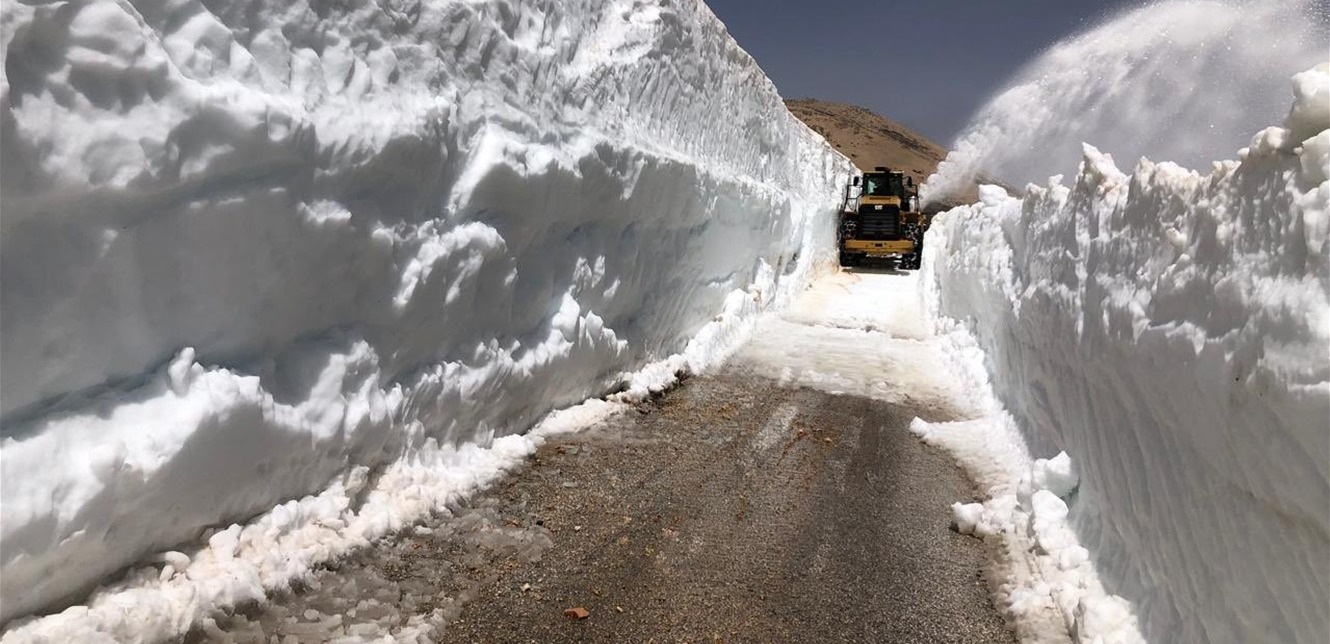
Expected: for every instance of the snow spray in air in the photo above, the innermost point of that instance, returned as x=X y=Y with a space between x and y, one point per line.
x=1183 y=80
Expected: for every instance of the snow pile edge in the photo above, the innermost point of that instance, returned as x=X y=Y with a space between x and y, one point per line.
x=1169 y=330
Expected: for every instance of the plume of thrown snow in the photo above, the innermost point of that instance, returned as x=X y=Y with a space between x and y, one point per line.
x=1169 y=329
x=1177 y=79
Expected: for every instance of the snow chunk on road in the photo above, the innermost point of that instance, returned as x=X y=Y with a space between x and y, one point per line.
x=968 y=518
x=1040 y=574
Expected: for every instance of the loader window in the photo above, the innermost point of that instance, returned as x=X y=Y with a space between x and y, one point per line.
x=884 y=185
x=875 y=185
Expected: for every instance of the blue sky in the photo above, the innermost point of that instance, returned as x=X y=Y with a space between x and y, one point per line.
x=928 y=64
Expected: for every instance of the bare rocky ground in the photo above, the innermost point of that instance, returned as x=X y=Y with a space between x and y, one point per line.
x=727 y=510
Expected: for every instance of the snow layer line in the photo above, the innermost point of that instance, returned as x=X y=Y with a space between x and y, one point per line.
x=1169 y=329
x=251 y=250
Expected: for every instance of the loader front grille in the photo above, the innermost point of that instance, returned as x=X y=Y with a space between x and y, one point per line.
x=879 y=224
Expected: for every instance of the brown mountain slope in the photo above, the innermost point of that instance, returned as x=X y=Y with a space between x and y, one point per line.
x=869 y=139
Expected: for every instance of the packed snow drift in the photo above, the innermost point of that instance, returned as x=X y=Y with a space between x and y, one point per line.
x=1170 y=331
x=325 y=255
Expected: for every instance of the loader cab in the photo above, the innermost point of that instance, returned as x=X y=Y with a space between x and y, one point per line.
x=882 y=187
x=886 y=183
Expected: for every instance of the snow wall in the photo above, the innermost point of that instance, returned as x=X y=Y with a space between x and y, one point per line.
x=252 y=250
x=1170 y=329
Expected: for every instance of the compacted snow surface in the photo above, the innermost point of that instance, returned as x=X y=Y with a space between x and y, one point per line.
x=312 y=268
x=1170 y=330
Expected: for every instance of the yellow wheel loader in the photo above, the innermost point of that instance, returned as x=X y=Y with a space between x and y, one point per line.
x=880 y=218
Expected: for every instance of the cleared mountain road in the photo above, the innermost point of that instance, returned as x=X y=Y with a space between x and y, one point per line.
x=781 y=498
x=737 y=510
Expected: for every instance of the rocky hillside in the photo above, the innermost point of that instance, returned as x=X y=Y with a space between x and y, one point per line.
x=868 y=139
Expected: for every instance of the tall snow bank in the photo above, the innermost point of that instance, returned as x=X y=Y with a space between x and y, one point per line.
x=251 y=249
x=1170 y=330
